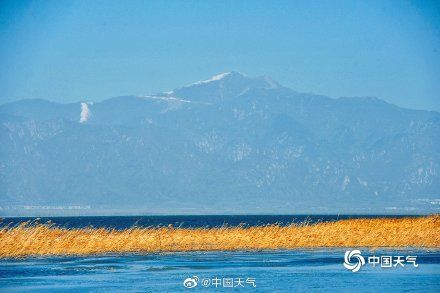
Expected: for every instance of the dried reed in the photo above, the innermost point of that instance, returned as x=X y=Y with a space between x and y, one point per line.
x=30 y=238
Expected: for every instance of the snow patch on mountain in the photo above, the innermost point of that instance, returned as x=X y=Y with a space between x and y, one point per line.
x=214 y=78
x=85 y=113
x=167 y=98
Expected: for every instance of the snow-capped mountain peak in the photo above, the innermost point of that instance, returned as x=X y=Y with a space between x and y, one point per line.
x=218 y=77
x=224 y=86
x=214 y=78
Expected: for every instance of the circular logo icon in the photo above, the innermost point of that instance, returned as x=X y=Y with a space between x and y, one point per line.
x=190 y=282
x=353 y=260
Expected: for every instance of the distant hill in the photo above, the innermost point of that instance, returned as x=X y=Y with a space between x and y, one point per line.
x=230 y=144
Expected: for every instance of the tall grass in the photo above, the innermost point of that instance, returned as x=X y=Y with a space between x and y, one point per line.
x=29 y=239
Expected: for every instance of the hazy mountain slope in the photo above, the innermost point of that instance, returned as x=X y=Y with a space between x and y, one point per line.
x=227 y=144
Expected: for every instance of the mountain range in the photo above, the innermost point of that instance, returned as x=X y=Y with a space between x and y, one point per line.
x=229 y=144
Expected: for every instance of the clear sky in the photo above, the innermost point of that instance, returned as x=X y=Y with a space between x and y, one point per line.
x=75 y=50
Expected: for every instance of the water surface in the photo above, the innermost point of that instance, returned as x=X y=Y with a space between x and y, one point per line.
x=273 y=271
x=123 y=222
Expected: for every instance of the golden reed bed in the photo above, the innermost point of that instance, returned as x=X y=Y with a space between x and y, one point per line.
x=45 y=239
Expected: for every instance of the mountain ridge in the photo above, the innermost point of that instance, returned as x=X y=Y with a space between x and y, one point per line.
x=231 y=138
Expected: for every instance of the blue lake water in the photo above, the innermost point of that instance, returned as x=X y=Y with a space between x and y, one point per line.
x=299 y=270
x=123 y=222
x=276 y=271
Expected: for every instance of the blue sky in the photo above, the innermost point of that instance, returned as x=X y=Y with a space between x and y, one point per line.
x=75 y=50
